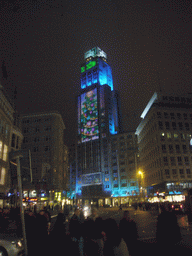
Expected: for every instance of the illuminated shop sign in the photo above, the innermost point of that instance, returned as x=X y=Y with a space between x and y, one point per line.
x=95 y=52
x=88 y=119
x=91 y=179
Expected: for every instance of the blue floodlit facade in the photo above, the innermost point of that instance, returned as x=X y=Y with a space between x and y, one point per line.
x=99 y=117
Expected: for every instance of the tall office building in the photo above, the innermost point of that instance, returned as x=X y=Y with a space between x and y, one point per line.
x=98 y=119
x=165 y=145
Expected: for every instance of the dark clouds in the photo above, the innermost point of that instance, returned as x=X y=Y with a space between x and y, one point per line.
x=148 y=44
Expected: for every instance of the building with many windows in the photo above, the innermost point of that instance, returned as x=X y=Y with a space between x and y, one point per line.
x=99 y=118
x=165 y=145
x=122 y=167
x=104 y=160
x=44 y=139
x=10 y=140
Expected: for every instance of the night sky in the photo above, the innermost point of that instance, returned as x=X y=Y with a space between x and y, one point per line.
x=42 y=45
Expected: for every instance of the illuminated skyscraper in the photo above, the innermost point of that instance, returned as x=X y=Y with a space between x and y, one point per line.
x=98 y=118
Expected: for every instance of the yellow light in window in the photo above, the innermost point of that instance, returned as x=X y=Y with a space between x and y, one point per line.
x=2 y=180
x=5 y=153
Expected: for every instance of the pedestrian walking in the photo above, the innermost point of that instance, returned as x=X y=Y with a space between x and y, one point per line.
x=128 y=231
x=41 y=234
x=114 y=244
x=93 y=243
x=57 y=237
x=75 y=234
x=168 y=231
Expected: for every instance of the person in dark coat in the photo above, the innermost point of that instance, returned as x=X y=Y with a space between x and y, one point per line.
x=31 y=229
x=57 y=237
x=114 y=244
x=128 y=231
x=168 y=232
x=93 y=243
x=75 y=234
x=41 y=234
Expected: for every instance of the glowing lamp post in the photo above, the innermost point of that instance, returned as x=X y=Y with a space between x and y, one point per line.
x=140 y=174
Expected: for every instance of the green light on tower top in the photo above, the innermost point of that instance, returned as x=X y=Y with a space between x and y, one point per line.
x=82 y=69
x=89 y=65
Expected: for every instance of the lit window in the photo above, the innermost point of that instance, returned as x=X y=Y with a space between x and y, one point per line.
x=5 y=153
x=2 y=180
x=106 y=179
x=169 y=135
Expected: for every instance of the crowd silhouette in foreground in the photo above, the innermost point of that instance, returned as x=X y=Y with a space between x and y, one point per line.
x=92 y=236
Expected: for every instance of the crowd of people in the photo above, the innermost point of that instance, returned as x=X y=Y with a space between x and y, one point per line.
x=92 y=236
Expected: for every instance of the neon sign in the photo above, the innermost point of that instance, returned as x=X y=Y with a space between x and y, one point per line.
x=82 y=69
x=89 y=65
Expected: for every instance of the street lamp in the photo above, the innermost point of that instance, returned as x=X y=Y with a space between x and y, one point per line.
x=140 y=173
